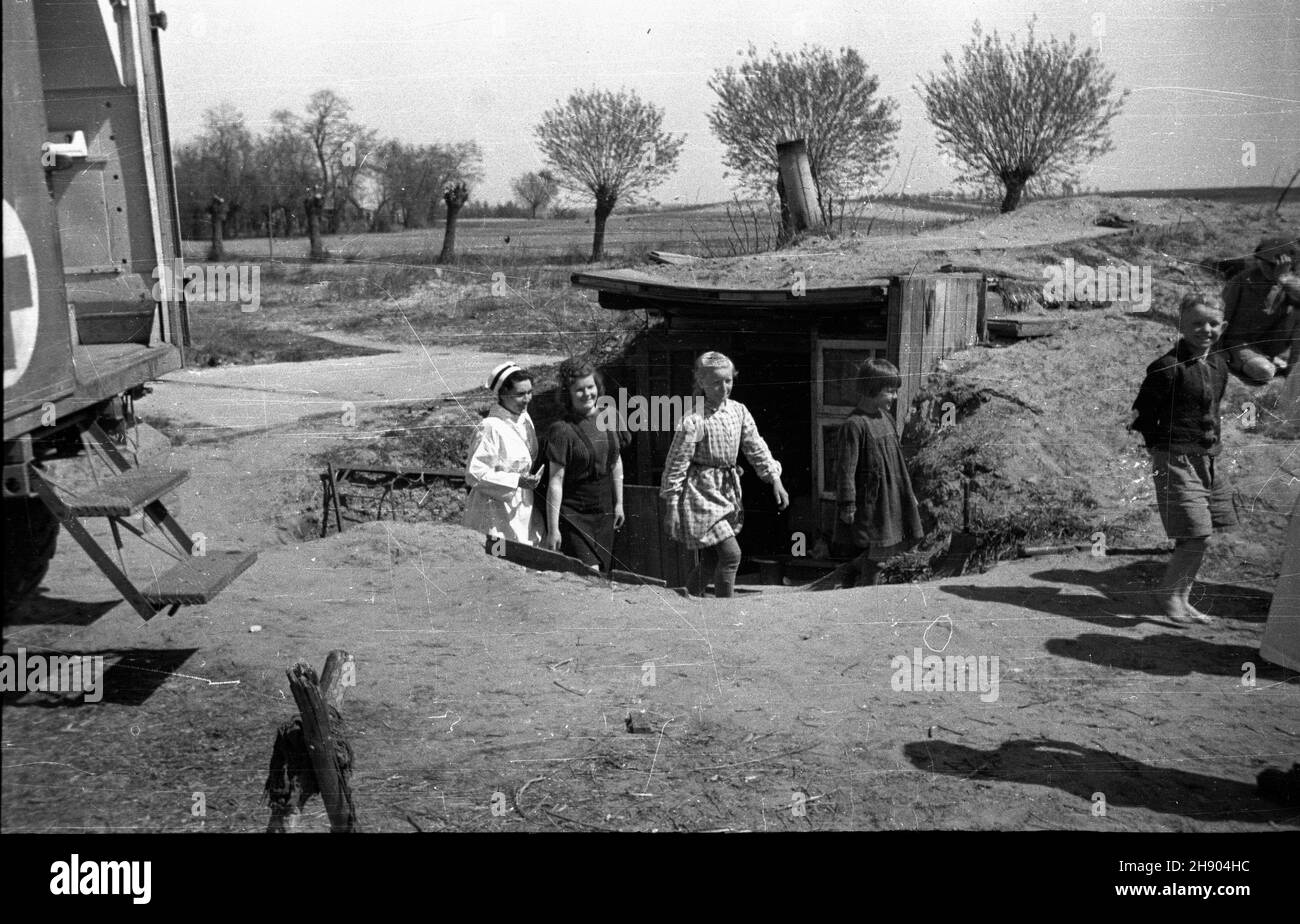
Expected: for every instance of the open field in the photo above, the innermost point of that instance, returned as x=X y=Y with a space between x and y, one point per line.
x=709 y=230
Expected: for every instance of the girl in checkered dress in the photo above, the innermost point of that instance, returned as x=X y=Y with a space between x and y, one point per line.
x=701 y=480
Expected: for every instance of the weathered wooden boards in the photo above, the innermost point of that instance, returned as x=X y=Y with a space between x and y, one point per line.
x=532 y=556
x=311 y=753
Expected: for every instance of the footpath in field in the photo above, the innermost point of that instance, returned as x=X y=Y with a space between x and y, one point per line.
x=267 y=395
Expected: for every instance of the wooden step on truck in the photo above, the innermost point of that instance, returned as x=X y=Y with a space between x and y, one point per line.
x=126 y=493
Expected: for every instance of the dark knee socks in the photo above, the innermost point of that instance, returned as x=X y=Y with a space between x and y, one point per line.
x=726 y=556
x=721 y=562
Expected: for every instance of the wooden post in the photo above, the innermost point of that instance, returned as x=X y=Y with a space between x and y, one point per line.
x=333 y=679
x=311 y=754
x=319 y=737
x=800 y=188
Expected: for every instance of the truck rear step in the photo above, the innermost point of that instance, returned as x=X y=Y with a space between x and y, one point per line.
x=126 y=493
x=197 y=579
x=197 y=576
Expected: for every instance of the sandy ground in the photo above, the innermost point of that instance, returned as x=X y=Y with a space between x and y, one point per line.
x=475 y=677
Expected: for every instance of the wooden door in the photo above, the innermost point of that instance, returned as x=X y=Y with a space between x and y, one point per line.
x=641 y=545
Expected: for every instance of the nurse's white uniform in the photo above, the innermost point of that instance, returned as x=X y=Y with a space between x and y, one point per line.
x=504 y=449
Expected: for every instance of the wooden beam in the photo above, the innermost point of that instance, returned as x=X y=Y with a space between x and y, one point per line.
x=532 y=556
x=627 y=282
x=322 y=748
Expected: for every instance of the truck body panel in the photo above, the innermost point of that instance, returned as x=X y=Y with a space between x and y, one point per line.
x=98 y=222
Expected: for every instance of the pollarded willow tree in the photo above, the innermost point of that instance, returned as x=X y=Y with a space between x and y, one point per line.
x=1017 y=113
x=830 y=100
x=607 y=146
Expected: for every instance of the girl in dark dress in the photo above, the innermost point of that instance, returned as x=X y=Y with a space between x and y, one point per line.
x=584 y=494
x=878 y=514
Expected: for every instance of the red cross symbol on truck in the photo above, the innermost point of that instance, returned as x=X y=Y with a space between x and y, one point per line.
x=18 y=296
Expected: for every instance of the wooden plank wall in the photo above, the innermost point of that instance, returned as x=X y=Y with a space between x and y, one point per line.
x=929 y=318
x=641 y=545
x=905 y=338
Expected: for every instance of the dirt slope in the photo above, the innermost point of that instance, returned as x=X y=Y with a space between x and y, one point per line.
x=476 y=677
x=1016 y=244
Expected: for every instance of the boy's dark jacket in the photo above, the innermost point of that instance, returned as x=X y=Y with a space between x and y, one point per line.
x=1178 y=403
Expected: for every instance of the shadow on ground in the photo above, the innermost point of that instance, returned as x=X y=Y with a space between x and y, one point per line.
x=1120 y=598
x=1167 y=655
x=130 y=676
x=1127 y=583
x=1082 y=771
x=41 y=610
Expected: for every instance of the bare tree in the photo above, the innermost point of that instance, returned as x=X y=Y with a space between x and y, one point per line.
x=1022 y=113
x=286 y=166
x=830 y=100
x=220 y=162
x=339 y=146
x=402 y=179
x=607 y=146
x=535 y=190
x=414 y=177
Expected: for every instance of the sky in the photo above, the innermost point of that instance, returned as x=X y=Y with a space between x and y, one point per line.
x=1215 y=86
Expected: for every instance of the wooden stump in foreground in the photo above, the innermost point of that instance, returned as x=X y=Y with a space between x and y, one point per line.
x=311 y=754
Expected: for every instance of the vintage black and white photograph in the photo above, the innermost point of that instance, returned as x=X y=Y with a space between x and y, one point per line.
x=652 y=417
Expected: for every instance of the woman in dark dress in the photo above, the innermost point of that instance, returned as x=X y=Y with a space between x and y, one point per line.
x=584 y=493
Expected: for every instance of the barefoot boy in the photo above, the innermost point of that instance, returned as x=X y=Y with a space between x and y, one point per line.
x=1178 y=416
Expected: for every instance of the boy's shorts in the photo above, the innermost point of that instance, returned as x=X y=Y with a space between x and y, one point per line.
x=1193 y=498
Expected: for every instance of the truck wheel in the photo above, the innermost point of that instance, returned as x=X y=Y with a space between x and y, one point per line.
x=31 y=533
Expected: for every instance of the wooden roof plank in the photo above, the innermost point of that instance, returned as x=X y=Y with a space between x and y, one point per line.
x=642 y=285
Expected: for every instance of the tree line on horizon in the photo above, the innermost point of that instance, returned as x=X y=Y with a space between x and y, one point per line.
x=1012 y=118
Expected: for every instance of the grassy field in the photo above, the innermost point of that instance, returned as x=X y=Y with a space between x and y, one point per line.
x=509 y=288
x=524 y=309
x=710 y=230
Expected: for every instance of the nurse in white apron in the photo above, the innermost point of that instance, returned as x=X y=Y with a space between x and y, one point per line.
x=499 y=471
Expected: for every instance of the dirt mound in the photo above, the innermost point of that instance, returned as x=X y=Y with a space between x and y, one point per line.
x=1017 y=244
x=1044 y=423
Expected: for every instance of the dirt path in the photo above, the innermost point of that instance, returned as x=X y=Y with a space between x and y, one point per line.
x=246 y=434
x=273 y=394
